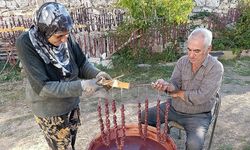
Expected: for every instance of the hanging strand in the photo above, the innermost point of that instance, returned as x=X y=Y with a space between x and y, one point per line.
x=139 y=120
x=166 y=120
x=107 y=121
x=146 y=120
x=115 y=125
x=103 y=135
x=158 y=122
x=123 y=126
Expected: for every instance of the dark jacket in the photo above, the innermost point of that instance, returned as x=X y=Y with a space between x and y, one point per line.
x=49 y=93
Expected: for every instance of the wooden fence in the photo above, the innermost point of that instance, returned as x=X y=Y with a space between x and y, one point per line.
x=93 y=28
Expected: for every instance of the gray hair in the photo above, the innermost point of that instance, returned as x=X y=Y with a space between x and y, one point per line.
x=205 y=33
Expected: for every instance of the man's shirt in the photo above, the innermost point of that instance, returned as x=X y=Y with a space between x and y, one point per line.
x=200 y=87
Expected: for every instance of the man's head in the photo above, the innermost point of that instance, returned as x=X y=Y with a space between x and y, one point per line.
x=199 y=44
x=53 y=22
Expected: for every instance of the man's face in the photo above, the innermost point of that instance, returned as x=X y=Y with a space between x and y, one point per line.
x=58 y=38
x=197 y=51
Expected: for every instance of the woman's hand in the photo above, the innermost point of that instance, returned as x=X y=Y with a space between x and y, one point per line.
x=90 y=86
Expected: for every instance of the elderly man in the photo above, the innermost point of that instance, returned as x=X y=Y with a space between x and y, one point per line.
x=193 y=86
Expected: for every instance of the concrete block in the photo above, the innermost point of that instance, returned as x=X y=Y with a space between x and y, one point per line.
x=228 y=55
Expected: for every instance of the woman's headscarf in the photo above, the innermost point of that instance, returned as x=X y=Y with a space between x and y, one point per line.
x=49 y=19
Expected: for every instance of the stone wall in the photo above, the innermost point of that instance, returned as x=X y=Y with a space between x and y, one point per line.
x=16 y=7
x=216 y=6
x=26 y=7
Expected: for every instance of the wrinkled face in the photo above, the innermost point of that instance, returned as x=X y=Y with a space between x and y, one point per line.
x=58 y=38
x=197 y=52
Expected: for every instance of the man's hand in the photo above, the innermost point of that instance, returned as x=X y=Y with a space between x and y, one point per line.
x=178 y=94
x=103 y=75
x=90 y=86
x=163 y=85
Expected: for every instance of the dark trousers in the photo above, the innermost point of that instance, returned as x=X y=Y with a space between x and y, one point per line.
x=195 y=125
x=60 y=131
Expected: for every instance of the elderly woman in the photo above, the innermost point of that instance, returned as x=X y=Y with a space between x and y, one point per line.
x=58 y=73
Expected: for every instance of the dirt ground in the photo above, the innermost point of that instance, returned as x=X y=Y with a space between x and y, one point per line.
x=18 y=130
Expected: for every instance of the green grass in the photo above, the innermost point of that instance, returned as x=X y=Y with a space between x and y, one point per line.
x=246 y=146
x=240 y=66
x=141 y=74
x=226 y=147
x=149 y=74
x=227 y=80
x=235 y=69
x=12 y=93
x=125 y=62
x=229 y=62
x=134 y=74
x=9 y=72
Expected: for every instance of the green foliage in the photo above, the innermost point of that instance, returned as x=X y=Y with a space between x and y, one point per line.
x=168 y=55
x=242 y=32
x=224 y=40
x=10 y=73
x=246 y=146
x=144 y=18
x=129 y=57
x=124 y=61
x=226 y=147
x=145 y=13
x=200 y=15
x=236 y=37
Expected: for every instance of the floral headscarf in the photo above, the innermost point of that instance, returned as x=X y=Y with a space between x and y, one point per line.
x=52 y=18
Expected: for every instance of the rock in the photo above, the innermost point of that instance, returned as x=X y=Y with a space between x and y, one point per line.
x=228 y=55
x=216 y=54
x=213 y=3
x=208 y=9
x=245 y=53
x=197 y=9
x=143 y=65
x=200 y=2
